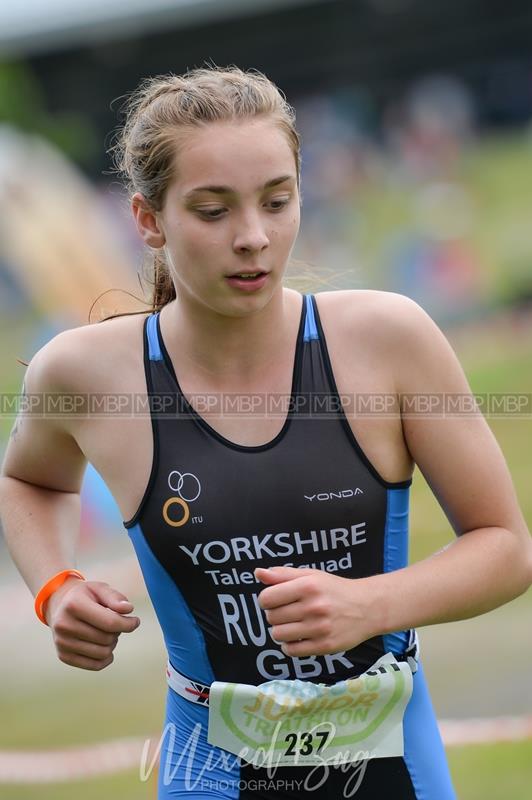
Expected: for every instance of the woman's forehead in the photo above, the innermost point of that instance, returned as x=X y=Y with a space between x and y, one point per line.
x=233 y=152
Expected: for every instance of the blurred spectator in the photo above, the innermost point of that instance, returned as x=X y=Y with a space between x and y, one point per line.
x=428 y=131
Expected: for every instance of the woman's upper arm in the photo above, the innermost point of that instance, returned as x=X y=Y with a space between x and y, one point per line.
x=41 y=448
x=457 y=453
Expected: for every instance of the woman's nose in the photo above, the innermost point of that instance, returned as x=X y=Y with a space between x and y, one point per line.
x=250 y=235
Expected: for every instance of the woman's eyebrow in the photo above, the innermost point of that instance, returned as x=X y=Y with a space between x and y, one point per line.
x=229 y=190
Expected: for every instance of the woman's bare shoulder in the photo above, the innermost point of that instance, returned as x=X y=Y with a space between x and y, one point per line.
x=386 y=312
x=89 y=357
x=370 y=299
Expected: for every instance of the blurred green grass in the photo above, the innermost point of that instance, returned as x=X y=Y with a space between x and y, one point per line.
x=492 y=771
x=480 y=772
x=125 y=786
x=17 y=333
x=37 y=717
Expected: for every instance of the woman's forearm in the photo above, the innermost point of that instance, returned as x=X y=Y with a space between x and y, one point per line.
x=477 y=572
x=41 y=529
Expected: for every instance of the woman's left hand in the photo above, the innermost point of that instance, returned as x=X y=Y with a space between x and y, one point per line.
x=313 y=612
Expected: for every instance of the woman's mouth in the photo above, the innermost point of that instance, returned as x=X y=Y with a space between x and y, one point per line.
x=247 y=280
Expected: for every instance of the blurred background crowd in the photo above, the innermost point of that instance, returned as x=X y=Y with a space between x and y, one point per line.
x=416 y=125
x=415 y=120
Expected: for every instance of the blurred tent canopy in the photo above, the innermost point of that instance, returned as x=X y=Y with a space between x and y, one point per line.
x=43 y=25
x=56 y=239
x=57 y=243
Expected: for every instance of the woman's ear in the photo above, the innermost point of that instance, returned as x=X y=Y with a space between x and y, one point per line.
x=147 y=222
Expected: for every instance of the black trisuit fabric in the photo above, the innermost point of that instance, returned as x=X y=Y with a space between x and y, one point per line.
x=212 y=512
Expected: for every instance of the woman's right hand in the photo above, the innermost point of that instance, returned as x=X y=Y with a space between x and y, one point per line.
x=86 y=618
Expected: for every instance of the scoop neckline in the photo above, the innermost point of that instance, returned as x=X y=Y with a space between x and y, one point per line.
x=296 y=370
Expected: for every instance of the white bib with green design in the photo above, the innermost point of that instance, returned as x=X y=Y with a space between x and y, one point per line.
x=300 y=723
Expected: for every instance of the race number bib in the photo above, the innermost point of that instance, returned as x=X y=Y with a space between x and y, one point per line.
x=300 y=723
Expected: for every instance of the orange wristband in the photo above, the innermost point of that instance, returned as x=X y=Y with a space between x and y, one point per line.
x=50 y=587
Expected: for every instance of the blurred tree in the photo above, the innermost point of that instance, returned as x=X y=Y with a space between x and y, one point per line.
x=22 y=104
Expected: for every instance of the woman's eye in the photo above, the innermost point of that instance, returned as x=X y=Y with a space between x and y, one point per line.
x=216 y=213
x=211 y=213
x=277 y=205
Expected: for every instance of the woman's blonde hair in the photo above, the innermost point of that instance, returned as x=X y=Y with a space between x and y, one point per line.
x=163 y=107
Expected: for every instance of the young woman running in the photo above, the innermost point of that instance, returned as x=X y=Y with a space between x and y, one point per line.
x=272 y=535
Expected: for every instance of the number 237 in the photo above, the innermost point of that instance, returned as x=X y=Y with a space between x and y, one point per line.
x=307 y=742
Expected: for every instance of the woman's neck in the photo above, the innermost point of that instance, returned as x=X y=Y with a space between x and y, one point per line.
x=224 y=347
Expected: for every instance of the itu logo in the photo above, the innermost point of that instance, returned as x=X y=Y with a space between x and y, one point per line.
x=188 y=489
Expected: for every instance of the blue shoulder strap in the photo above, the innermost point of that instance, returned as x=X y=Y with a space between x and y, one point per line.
x=311 y=330
x=154 y=347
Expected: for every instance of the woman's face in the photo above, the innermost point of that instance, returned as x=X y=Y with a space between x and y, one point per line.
x=232 y=208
